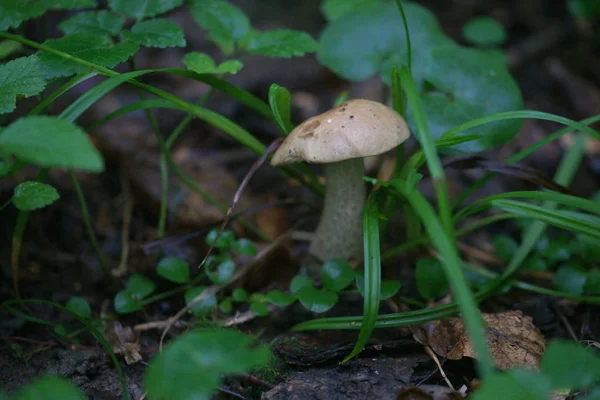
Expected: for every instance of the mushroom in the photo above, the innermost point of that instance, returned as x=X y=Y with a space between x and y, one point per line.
x=339 y=139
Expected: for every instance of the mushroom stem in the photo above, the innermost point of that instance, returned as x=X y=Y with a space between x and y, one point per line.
x=340 y=233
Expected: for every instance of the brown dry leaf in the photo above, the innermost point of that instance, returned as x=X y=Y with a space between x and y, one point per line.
x=512 y=338
x=124 y=341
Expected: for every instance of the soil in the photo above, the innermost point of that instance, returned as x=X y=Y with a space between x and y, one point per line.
x=553 y=60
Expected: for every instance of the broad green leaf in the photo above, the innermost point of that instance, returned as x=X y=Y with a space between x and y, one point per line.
x=388 y=287
x=570 y=278
x=140 y=9
x=204 y=306
x=225 y=23
x=484 y=31
x=156 y=33
x=300 y=282
x=279 y=298
x=431 y=280
x=50 y=142
x=125 y=302
x=259 y=309
x=514 y=385
x=316 y=300
x=71 y=4
x=239 y=294
x=284 y=43
x=140 y=286
x=280 y=101
x=505 y=246
x=95 y=49
x=219 y=269
x=336 y=275
x=50 y=388
x=94 y=23
x=14 y=12
x=457 y=84
x=79 y=306
x=569 y=365
x=244 y=247
x=174 y=269
x=20 y=77
x=32 y=195
x=203 y=64
x=333 y=9
x=224 y=240
x=8 y=47
x=197 y=360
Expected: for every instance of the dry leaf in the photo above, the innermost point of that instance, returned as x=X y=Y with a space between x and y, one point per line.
x=124 y=341
x=512 y=338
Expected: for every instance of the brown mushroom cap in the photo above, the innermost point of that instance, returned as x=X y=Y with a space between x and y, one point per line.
x=357 y=128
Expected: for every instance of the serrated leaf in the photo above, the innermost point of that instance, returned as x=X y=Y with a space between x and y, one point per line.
x=79 y=306
x=336 y=274
x=14 y=12
x=32 y=195
x=208 y=353
x=50 y=388
x=71 y=4
x=20 y=77
x=484 y=31
x=8 y=47
x=92 y=48
x=140 y=9
x=203 y=307
x=51 y=142
x=283 y=43
x=94 y=23
x=203 y=64
x=569 y=365
x=467 y=83
x=225 y=23
x=156 y=33
x=174 y=269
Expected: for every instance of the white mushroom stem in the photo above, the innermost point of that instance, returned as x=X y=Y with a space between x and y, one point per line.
x=340 y=232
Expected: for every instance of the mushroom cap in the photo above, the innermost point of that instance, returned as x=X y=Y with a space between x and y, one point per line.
x=357 y=128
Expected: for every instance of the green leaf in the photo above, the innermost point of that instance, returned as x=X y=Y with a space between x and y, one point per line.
x=197 y=360
x=431 y=280
x=20 y=77
x=535 y=262
x=95 y=49
x=50 y=388
x=125 y=302
x=388 y=287
x=9 y=47
x=94 y=23
x=156 y=33
x=592 y=283
x=300 y=282
x=484 y=31
x=222 y=272
x=226 y=306
x=203 y=64
x=570 y=278
x=259 y=309
x=204 y=306
x=514 y=385
x=284 y=43
x=244 y=247
x=555 y=249
x=315 y=300
x=336 y=275
x=280 y=103
x=224 y=241
x=467 y=83
x=79 y=306
x=279 y=298
x=140 y=286
x=32 y=195
x=570 y=366
x=505 y=246
x=587 y=9
x=587 y=248
x=333 y=9
x=239 y=294
x=50 y=142
x=174 y=269
x=140 y=9
x=225 y=23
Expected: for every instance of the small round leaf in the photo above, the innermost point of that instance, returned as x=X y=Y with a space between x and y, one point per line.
x=336 y=275
x=484 y=31
x=204 y=306
x=315 y=300
x=222 y=272
x=300 y=282
x=244 y=247
x=569 y=365
x=431 y=279
x=33 y=195
x=125 y=302
x=140 y=286
x=280 y=299
x=79 y=306
x=259 y=309
x=174 y=269
x=571 y=278
x=239 y=294
x=224 y=241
